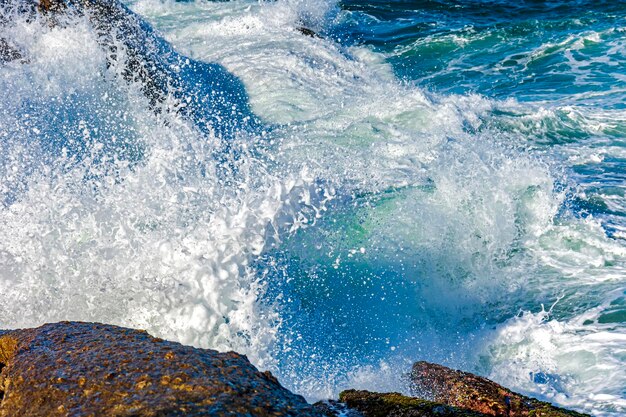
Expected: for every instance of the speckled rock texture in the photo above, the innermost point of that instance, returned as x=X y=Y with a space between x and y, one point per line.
x=373 y=404
x=468 y=391
x=88 y=369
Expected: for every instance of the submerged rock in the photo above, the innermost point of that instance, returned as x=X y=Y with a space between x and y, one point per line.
x=88 y=369
x=333 y=408
x=472 y=392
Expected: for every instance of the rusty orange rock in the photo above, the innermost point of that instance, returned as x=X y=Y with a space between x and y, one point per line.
x=472 y=392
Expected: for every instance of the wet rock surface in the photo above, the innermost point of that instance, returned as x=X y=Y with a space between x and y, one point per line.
x=8 y=52
x=373 y=404
x=203 y=92
x=442 y=392
x=472 y=392
x=91 y=369
x=333 y=408
x=88 y=369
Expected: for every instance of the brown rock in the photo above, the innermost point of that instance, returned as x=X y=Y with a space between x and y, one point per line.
x=51 y=5
x=373 y=404
x=465 y=390
x=88 y=369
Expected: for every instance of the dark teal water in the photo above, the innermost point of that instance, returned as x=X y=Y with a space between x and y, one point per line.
x=568 y=57
x=566 y=52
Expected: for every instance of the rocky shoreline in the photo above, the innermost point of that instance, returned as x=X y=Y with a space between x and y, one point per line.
x=93 y=369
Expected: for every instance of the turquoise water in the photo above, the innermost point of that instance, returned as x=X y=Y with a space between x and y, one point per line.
x=557 y=52
x=562 y=57
x=429 y=180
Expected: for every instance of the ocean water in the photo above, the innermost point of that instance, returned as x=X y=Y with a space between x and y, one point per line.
x=419 y=180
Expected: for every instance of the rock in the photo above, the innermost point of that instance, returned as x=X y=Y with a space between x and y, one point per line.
x=442 y=392
x=465 y=390
x=393 y=404
x=206 y=93
x=8 y=53
x=88 y=369
x=307 y=32
x=332 y=408
x=51 y=5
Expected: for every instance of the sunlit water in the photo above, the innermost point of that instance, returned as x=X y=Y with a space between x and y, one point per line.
x=436 y=181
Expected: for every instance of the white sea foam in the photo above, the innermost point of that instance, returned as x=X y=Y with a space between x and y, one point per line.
x=114 y=214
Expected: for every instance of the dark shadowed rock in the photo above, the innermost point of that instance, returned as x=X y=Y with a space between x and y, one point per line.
x=213 y=98
x=465 y=390
x=373 y=404
x=332 y=408
x=307 y=32
x=86 y=369
x=7 y=52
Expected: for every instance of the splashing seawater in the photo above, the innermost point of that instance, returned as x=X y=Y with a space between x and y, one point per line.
x=351 y=216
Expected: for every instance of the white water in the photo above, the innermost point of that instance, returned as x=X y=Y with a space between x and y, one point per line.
x=115 y=215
